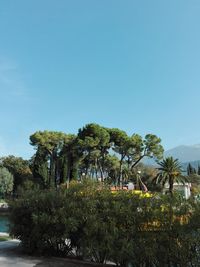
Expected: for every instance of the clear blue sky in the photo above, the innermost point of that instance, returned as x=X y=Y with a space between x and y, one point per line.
x=129 y=64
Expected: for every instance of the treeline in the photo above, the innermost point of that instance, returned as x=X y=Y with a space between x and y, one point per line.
x=89 y=222
x=108 y=154
x=192 y=170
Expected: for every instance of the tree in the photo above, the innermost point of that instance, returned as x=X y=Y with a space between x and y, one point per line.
x=194 y=179
x=69 y=159
x=198 y=170
x=133 y=149
x=170 y=171
x=61 y=157
x=6 y=182
x=51 y=142
x=147 y=174
x=40 y=168
x=121 y=145
x=19 y=168
x=112 y=166
x=190 y=170
x=149 y=147
x=94 y=140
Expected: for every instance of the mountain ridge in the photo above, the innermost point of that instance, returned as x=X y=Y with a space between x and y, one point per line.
x=185 y=153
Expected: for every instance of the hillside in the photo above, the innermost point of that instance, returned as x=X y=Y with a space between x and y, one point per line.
x=185 y=153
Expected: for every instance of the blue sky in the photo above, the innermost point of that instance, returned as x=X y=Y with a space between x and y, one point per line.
x=129 y=64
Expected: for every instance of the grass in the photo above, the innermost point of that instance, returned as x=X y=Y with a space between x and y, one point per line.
x=4 y=238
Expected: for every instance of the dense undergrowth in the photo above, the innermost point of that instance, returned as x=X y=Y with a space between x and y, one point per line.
x=90 y=222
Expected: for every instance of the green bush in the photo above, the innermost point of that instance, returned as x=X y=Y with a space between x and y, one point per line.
x=90 y=222
x=38 y=220
x=6 y=182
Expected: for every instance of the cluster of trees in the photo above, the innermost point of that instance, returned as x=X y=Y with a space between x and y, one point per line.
x=192 y=170
x=96 y=151
x=94 y=224
x=194 y=178
x=88 y=219
x=14 y=171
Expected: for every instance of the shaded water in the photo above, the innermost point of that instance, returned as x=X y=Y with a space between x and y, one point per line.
x=3 y=223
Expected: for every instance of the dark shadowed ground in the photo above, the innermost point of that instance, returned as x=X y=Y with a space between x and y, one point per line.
x=11 y=255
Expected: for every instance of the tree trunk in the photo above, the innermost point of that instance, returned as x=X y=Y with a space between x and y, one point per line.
x=120 y=174
x=142 y=185
x=65 y=169
x=96 y=169
x=52 y=170
x=101 y=171
x=137 y=161
x=69 y=163
x=171 y=185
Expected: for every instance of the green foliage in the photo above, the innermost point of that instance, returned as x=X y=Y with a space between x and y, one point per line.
x=4 y=238
x=38 y=219
x=112 y=166
x=191 y=170
x=170 y=171
x=93 y=223
x=49 y=144
x=6 y=182
x=19 y=168
x=63 y=157
x=49 y=140
x=152 y=146
x=94 y=141
x=69 y=159
x=39 y=166
x=148 y=174
x=133 y=149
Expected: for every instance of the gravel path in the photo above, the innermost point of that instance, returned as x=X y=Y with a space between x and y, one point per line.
x=10 y=255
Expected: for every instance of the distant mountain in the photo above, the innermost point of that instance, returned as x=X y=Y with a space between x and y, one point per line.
x=194 y=164
x=185 y=153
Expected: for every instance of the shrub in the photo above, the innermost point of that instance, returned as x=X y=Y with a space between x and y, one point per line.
x=6 y=182
x=91 y=222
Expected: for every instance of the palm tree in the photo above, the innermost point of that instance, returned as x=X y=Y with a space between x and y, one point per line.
x=170 y=171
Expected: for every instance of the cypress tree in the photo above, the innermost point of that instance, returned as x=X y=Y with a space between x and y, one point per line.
x=189 y=169
x=198 y=170
x=194 y=171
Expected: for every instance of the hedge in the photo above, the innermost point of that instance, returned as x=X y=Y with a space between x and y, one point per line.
x=87 y=221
